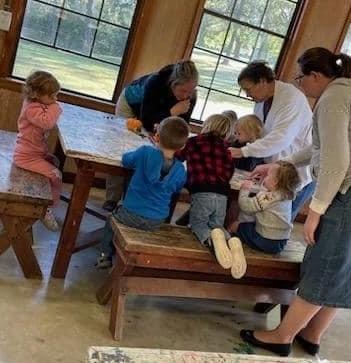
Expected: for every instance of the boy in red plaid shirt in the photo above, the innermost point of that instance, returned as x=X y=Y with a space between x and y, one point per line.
x=209 y=170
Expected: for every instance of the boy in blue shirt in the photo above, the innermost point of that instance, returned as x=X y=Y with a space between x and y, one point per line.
x=157 y=176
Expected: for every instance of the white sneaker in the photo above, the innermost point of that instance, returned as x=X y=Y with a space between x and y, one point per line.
x=239 y=265
x=50 y=222
x=222 y=252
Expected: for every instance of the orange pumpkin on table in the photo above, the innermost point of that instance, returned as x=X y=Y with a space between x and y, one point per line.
x=134 y=125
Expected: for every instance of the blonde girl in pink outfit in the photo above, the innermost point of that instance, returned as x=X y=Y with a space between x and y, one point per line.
x=39 y=114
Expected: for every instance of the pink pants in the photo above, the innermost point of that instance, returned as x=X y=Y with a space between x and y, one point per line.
x=44 y=166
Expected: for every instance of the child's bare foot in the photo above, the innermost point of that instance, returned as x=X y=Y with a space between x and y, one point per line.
x=49 y=221
x=239 y=261
x=222 y=252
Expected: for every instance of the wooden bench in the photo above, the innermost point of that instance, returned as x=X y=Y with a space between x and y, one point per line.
x=24 y=198
x=171 y=262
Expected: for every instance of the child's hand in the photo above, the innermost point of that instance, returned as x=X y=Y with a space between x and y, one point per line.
x=247 y=185
x=235 y=152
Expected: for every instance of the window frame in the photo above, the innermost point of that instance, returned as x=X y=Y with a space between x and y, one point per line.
x=287 y=41
x=9 y=49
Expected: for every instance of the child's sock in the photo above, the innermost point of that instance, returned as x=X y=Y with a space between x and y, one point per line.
x=49 y=221
x=239 y=261
x=221 y=249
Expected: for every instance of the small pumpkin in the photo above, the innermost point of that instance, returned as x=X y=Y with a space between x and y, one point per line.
x=134 y=124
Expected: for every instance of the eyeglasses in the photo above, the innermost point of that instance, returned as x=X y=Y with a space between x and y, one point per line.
x=298 y=79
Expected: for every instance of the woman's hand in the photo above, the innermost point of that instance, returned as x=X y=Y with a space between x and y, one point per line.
x=310 y=227
x=235 y=152
x=260 y=172
x=180 y=108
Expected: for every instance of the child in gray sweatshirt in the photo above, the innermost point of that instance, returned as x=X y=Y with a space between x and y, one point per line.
x=272 y=209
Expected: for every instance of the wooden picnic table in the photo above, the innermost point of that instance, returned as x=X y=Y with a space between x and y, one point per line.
x=96 y=142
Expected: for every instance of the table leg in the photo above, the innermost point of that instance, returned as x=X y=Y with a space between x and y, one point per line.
x=60 y=155
x=82 y=184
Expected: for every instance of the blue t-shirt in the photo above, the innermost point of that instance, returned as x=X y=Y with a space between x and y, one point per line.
x=149 y=194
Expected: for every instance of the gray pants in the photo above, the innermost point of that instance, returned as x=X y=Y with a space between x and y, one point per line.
x=207 y=212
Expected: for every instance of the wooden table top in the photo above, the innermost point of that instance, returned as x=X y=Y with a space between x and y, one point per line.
x=17 y=184
x=142 y=355
x=177 y=241
x=95 y=136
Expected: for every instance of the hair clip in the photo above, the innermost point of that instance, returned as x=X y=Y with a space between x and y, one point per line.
x=339 y=62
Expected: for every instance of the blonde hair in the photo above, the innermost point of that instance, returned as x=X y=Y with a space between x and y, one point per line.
x=252 y=126
x=183 y=71
x=173 y=132
x=40 y=83
x=217 y=124
x=287 y=178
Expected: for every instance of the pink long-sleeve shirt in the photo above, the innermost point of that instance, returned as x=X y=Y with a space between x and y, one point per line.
x=33 y=123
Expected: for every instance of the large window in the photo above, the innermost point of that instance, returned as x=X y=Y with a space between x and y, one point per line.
x=82 y=42
x=233 y=33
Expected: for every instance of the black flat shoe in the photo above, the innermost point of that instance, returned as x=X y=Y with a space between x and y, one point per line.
x=281 y=349
x=308 y=347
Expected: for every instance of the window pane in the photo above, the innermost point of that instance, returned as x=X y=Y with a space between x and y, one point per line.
x=119 y=11
x=88 y=7
x=110 y=43
x=240 y=42
x=74 y=72
x=40 y=22
x=76 y=33
x=227 y=75
x=200 y=102
x=250 y=11
x=224 y=7
x=346 y=45
x=278 y=16
x=268 y=48
x=205 y=64
x=218 y=102
x=54 y=2
x=212 y=33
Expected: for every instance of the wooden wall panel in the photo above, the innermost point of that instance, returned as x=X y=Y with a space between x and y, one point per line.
x=321 y=25
x=163 y=36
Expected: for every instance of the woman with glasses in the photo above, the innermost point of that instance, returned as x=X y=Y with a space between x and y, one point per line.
x=287 y=118
x=325 y=283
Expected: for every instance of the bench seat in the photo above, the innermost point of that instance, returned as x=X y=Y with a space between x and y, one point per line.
x=171 y=262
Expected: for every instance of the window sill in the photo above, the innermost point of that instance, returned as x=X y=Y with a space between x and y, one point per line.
x=15 y=85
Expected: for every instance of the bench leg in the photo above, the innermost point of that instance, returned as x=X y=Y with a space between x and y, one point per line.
x=105 y=291
x=4 y=242
x=17 y=234
x=117 y=309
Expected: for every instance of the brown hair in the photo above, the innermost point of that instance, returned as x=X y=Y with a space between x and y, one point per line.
x=252 y=125
x=183 y=71
x=173 y=132
x=232 y=115
x=255 y=71
x=40 y=83
x=324 y=61
x=217 y=124
x=287 y=178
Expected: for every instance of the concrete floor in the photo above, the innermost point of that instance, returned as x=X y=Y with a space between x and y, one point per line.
x=56 y=321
